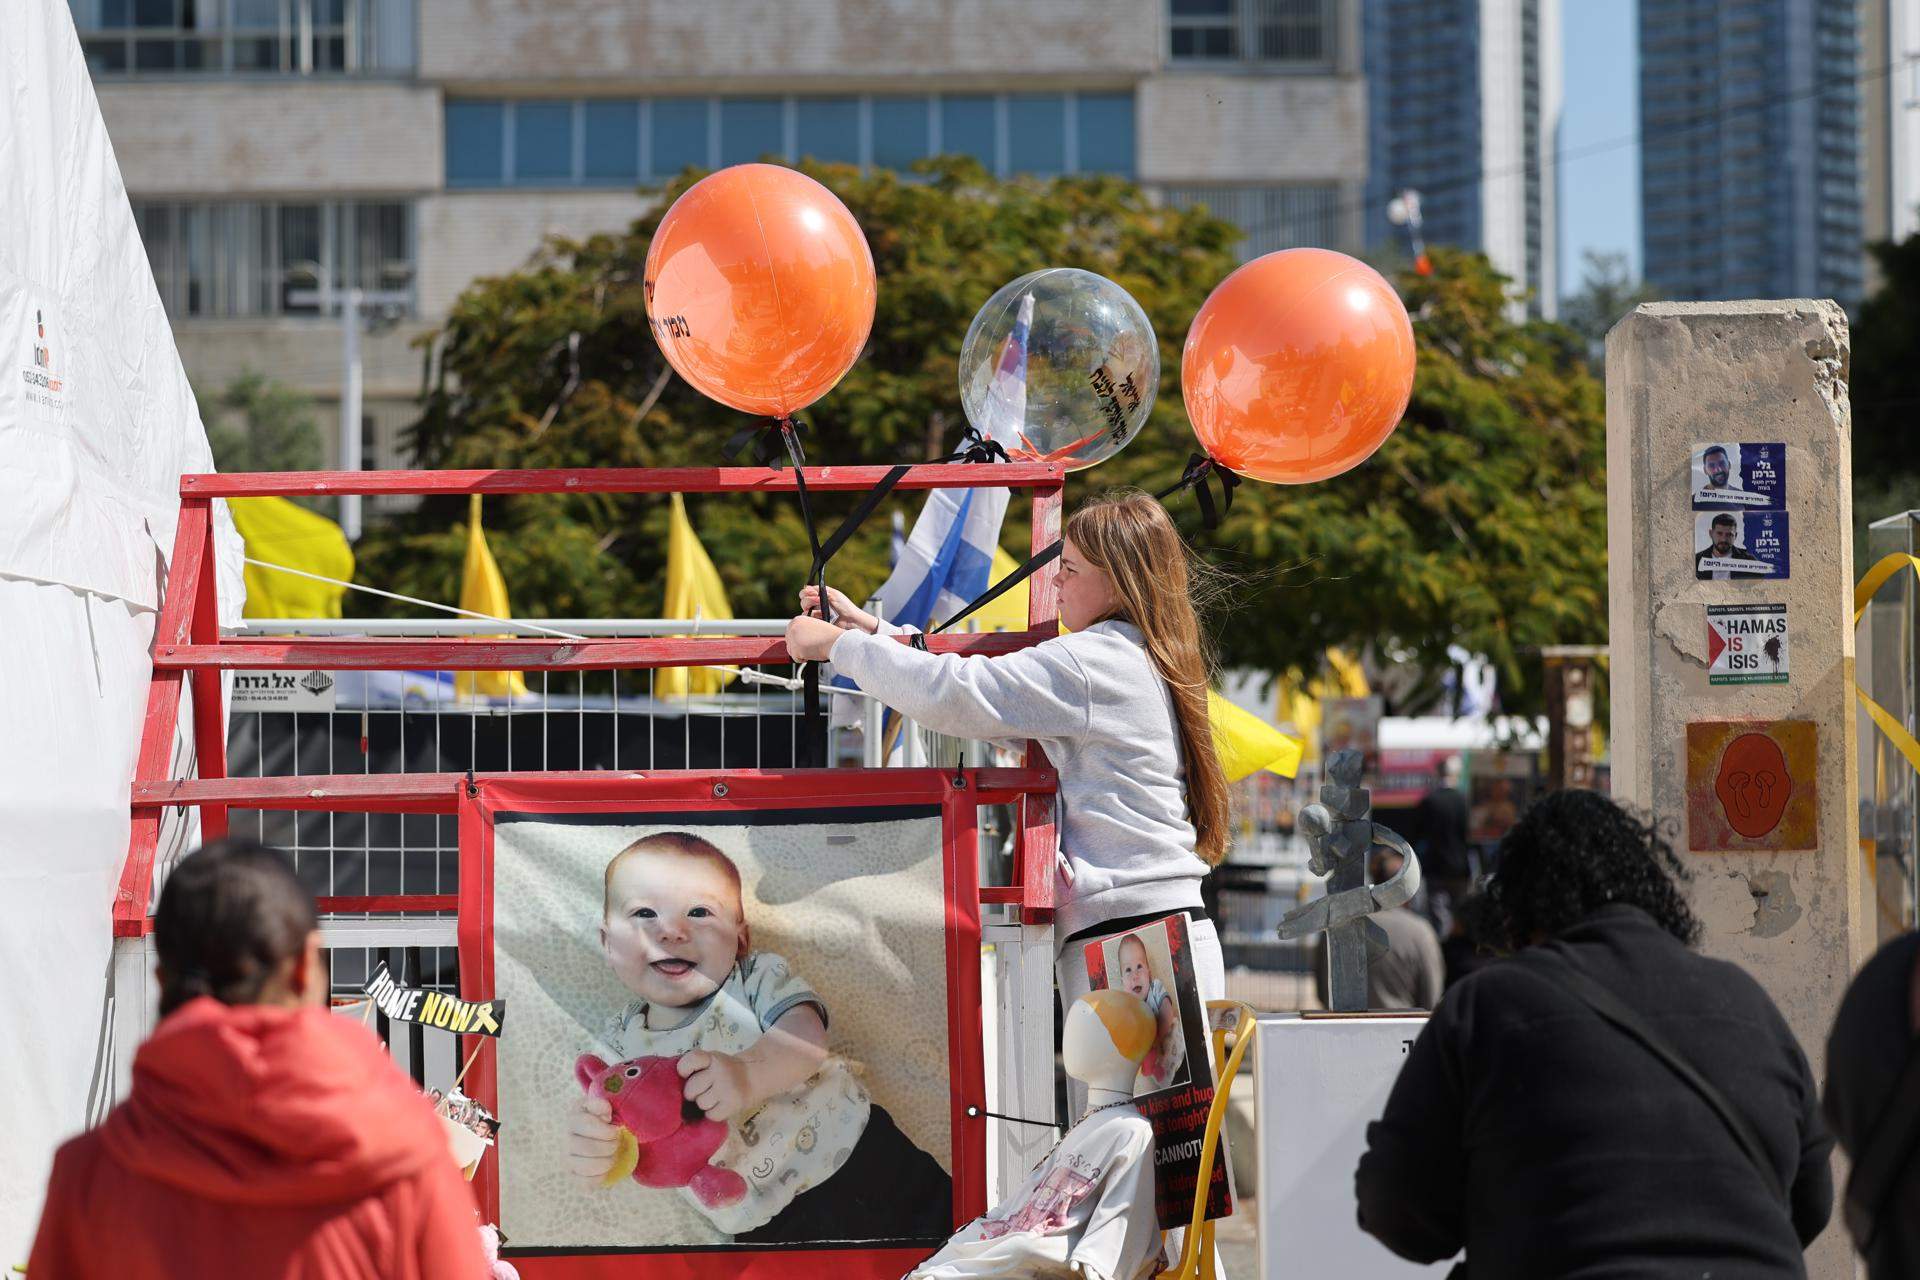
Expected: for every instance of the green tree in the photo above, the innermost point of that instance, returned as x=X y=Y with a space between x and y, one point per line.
x=1607 y=292
x=1480 y=523
x=1885 y=377
x=258 y=424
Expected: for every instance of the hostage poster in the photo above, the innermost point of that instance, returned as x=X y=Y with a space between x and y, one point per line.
x=731 y=1028
x=1174 y=1087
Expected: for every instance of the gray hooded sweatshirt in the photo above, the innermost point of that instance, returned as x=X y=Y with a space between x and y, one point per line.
x=1093 y=700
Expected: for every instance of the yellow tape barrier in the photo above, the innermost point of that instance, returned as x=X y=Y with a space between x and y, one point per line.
x=1877 y=577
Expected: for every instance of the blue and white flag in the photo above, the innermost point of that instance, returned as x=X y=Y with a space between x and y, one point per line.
x=944 y=563
x=947 y=559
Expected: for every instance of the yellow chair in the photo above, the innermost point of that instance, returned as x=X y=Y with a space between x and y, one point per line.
x=1196 y=1253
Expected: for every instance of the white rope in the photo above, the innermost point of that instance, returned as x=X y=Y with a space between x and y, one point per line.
x=424 y=604
x=748 y=675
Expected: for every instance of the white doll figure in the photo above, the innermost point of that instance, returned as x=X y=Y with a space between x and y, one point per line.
x=1087 y=1210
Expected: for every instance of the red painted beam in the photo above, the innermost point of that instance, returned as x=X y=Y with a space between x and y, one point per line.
x=438 y=792
x=288 y=484
x=521 y=654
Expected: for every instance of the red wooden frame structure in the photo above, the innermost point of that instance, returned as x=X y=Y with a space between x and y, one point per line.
x=189 y=653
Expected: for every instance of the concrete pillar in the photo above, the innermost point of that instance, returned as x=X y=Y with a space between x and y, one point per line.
x=1680 y=375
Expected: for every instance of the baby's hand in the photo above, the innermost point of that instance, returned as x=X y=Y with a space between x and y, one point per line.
x=592 y=1139
x=718 y=1083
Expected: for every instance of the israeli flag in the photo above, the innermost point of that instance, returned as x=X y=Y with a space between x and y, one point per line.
x=947 y=559
x=944 y=563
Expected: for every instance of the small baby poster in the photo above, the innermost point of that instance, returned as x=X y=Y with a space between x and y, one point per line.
x=1174 y=1087
x=731 y=1028
x=1739 y=475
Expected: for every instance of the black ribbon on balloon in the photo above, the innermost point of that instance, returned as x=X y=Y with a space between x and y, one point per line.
x=1201 y=471
x=975 y=447
x=767 y=451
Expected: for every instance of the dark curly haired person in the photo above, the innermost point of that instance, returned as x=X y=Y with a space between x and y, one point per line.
x=1545 y=1139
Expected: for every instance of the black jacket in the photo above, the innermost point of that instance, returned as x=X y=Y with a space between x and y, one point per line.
x=1440 y=834
x=1866 y=1052
x=1549 y=1144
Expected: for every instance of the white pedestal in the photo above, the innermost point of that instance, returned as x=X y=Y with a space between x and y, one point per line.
x=1318 y=1082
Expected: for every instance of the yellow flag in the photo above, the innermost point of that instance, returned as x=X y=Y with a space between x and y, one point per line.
x=483 y=590
x=1009 y=612
x=694 y=592
x=283 y=532
x=1247 y=744
x=1349 y=679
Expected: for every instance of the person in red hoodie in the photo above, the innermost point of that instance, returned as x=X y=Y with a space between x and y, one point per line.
x=264 y=1137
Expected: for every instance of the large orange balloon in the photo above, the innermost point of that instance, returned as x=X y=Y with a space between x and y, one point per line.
x=1298 y=366
x=760 y=288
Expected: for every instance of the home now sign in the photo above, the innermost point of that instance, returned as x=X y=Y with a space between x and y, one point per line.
x=1747 y=644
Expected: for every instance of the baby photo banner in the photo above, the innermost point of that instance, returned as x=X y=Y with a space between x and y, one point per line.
x=743 y=1028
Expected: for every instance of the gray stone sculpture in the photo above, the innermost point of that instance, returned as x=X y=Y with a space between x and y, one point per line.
x=1342 y=836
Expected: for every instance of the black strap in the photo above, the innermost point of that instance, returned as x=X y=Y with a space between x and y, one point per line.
x=1200 y=468
x=1612 y=1009
x=992 y=593
x=813 y=715
x=1891 y=1141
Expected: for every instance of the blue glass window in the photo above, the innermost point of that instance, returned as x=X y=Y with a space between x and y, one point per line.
x=1105 y=129
x=612 y=144
x=967 y=129
x=679 y=135
x=543 y=142
x=828 y=129
x=900 y=131
x=474 y=151
x=1036 y=133
x=750 y=128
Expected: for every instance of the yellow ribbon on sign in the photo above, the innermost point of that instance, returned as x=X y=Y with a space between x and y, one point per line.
x=1878 y=577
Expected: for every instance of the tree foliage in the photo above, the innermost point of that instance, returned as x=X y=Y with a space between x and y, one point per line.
x=1607 y=292
x=1481 y=522
x=257 y=424
x=1885 y=376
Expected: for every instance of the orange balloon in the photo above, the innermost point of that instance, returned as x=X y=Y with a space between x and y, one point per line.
x=760 y=288
x=1298 y=366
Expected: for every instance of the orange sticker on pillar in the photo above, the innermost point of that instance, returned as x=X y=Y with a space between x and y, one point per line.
x=1752 y=784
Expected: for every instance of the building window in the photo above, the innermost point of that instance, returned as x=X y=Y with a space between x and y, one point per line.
x=476 y=146
x=751 y=128
x=245 y=37
x=1270 y=217
x=828 y=129
x=901 y=132
x=1268 y=32
x=242 y=258
x=617 y=142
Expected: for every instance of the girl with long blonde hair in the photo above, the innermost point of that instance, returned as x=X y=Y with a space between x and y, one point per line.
x=1120 y=705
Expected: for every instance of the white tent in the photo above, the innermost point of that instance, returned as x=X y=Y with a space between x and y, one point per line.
x=97 y=424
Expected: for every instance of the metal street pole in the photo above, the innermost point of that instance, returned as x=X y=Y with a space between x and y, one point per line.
x=350 y=389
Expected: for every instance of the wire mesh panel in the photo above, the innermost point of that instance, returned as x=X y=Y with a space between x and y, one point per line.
x=424 y=723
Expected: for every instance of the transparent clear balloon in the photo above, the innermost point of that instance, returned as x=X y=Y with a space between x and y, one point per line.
x=1060 y=366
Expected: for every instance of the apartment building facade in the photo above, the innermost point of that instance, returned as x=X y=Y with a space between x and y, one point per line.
x=280 y=152
x=1890 y=91
x=1464 y=100
x=1750 y=169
